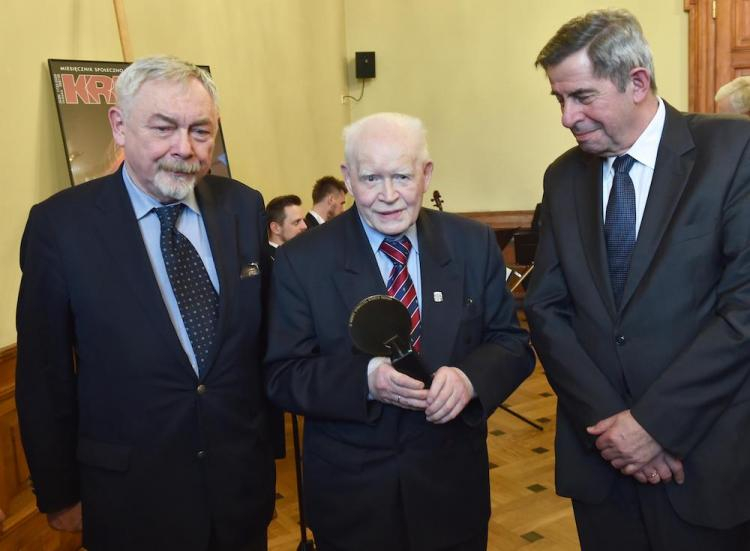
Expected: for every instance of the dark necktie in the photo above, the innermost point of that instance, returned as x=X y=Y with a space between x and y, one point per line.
x=619 y=225
x=196 y=296
x=400 y=285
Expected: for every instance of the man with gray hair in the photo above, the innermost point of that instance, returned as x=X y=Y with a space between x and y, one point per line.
x=389 y=463
x=139 y=387
x=639 y=305
x=734 y=97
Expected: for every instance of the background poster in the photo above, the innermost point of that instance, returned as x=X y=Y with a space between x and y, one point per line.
x=84 y=91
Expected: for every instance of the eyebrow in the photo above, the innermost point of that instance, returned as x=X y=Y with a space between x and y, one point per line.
x=170 y=120
x=577 y=92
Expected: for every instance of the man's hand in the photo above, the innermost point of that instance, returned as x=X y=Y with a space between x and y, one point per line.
x=392 y=387
x=449 y=393
x=624 y=442
x=66 y=520
x=662 y=468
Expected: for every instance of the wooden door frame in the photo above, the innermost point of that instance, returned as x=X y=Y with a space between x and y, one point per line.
x=701 y=55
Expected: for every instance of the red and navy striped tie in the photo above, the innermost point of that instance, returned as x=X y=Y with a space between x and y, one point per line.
x=400 y=285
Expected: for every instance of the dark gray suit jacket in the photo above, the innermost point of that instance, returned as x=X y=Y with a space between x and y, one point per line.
x=111 y=410
x=370 y=468
x=677 y=353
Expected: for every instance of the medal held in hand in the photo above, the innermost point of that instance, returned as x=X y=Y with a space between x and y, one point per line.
x=380 y=325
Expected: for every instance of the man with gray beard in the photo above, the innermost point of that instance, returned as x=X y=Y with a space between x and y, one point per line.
x=139 y=320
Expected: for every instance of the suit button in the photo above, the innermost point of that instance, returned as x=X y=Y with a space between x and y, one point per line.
x=620 y=339
x=201 y=389
x=201 y=454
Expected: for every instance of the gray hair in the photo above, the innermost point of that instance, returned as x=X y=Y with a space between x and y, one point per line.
x=162 y=67
x=738 y=92
x=412 y=125
x=614 y=43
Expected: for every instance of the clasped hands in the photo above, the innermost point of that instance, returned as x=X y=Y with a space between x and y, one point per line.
x=626 y=445
x=449 y=392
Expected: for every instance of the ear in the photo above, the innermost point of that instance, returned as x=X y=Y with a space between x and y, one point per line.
x=641 y=80
x=117 y=122
x=275 y=228
x=347 y=177
x=427 y=174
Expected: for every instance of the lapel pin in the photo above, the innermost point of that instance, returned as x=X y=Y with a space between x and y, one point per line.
x=437 y=296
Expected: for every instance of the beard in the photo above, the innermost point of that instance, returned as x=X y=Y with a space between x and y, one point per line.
x=173 y=185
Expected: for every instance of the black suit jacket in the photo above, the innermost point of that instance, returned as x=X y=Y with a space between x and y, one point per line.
x=677 y=353
x=311 y=221
x=111 y=411
x=366 y=461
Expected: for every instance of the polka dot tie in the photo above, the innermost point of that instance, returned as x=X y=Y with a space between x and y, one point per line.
x=400 y=285
x=196 y=296
x=619 y=225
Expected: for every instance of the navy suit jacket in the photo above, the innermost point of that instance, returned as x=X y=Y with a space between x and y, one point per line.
x=372 y=468
x=311 y=221
x=677 y=353
x=111 y=411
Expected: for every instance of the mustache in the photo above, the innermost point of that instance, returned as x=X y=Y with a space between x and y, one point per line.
x=184 y=167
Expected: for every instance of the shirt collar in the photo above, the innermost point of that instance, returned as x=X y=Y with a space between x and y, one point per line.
x=143 y=203
x=376 y=238
x=646 y=147
x=317 y=217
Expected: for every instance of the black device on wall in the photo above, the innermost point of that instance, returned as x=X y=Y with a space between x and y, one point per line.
x=364 y=64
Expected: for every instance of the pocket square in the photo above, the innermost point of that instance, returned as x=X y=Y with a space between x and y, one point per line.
x=250 y=270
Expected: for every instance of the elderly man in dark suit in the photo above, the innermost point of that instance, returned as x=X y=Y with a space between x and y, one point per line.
x=139 y=320
x=640 y=301
x=388 y=463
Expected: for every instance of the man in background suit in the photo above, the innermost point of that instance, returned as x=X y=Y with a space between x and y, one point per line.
x=639 y=304
x=139 y=387
x=388 y=463
x=285 y=220
x=329 y=197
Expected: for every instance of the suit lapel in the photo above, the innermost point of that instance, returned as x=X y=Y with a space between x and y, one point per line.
x=440 y=274
x=671 y=174
x=117 y=224
x=222 y=237
x=588 y=198
x=359 y=276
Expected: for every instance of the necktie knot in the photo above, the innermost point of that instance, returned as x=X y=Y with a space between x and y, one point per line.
x=623 y=164
x=168 y=215
x=396 y=249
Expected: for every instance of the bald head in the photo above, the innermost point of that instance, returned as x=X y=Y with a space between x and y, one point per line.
x=407 y=130
x=734 y=97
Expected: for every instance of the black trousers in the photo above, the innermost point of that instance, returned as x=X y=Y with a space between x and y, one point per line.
x=259 y=543
x=639 y=517
x=477 y=543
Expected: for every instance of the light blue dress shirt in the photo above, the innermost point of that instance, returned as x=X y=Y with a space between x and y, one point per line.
x=386 y=264
x=191 y=225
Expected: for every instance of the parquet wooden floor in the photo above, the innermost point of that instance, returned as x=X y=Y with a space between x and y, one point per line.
x=526 y=513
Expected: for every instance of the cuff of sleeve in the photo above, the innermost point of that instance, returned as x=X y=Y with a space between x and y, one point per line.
x=372 y=365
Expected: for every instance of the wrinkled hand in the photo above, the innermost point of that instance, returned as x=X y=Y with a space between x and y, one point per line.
x=392 y=387
x=67 y=520
x=662 y=468
x=624 y=443
x=449 y=393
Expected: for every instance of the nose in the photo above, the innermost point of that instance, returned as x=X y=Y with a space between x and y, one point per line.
x=388 y=192
x=571 y=114
x=182 y=145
